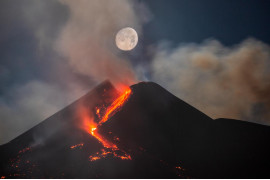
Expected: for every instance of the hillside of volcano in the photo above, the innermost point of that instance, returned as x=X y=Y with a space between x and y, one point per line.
x=142 y=132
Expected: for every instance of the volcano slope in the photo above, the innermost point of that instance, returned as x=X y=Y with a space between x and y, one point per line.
x=175 y=132
x=153 y=134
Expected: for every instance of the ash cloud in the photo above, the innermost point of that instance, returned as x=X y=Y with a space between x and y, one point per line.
x=229 y=82
x=74 y=51
x=27 y=105
x=87 y=40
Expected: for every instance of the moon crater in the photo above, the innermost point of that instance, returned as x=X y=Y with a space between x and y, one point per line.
x=126 y=39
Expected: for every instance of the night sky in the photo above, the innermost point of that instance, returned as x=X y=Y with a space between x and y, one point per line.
x=228 y=21
x=37 y=80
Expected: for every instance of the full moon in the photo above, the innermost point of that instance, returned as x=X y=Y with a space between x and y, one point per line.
x=126 y=39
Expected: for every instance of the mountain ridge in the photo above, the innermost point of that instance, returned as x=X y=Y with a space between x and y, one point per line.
x=165 y=137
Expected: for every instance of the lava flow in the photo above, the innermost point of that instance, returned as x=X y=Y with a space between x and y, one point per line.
x=115 y=105
x=77 y=145
x=92 y=129
x=109 y=112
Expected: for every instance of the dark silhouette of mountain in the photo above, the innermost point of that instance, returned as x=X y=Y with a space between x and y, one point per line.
x=164 y=136
x=172 y=130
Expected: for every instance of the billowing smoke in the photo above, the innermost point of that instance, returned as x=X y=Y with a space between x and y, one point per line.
x=228 y=82
x=87 y=40
x=74 y=51
x=27 y=106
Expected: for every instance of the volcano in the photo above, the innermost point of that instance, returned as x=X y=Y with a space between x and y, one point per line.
x=142 y=132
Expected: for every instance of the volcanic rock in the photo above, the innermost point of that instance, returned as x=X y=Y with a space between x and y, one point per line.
x=164 y=136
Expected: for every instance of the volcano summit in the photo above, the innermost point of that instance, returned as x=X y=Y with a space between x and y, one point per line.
x=144 y=132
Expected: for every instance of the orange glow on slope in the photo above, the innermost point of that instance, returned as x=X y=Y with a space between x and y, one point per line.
x=104 y=153
x=94 y=158
x=98 y=112
x=24 y=150
x=109 y=112
x=104 y=142
x=91 y=126
x=115 y=105
x=77 y=145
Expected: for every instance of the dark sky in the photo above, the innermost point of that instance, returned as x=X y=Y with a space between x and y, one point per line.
x=228 y=21
x=178 y=21
x=36 y=80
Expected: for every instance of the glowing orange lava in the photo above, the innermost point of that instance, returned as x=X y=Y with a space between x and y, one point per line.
x=24 y=150
x=104 y=153
x=104 y=142
x=77 y=145
x=109 y=112
x=115 y=105
x=92 y=128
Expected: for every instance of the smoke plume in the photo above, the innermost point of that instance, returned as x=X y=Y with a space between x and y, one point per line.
x=87 y=40
x=223 y=82
x=74 y=51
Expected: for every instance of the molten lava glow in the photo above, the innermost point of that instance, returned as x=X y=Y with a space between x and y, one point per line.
x=104 y=153
x=92 y=126
x=115 y=105
x=104 y=142
x=24 y=150
x=77 y=145
x=20 y=165
x=98 y=112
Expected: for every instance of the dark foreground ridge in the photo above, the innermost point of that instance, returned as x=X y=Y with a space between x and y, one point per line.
x=165 y=137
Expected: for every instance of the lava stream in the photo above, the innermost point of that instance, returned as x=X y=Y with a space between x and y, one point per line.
x=115 y=105
x=104 y=142
x=109 y=113
x=77 y=145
